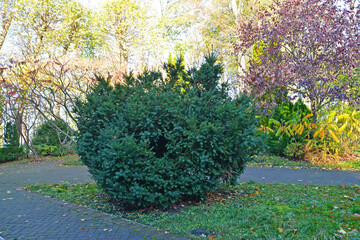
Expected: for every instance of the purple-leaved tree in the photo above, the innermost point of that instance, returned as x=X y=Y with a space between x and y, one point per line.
x=310 y=48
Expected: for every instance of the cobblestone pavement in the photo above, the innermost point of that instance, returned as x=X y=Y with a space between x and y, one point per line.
x=26 y=215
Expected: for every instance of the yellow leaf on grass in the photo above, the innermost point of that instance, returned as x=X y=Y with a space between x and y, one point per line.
x=82 y=220
x=280 y=229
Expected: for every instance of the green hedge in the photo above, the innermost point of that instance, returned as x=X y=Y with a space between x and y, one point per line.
x=152 y=141
x=10 y=153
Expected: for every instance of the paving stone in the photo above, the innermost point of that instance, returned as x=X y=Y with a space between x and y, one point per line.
x=28 y=216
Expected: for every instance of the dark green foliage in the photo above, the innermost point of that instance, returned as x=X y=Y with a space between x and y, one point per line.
x=149 y=143
x=11 y=136
x=283 y=113
x=11 y=151
x=46 y=150
x=50 y=141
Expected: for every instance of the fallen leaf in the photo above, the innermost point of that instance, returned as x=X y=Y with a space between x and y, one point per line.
x=342 y=231
x=357 y=215
x=280 y=229
x=82 y=220
x=339 y=236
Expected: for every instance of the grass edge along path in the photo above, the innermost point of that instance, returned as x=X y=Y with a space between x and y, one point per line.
x=259 y=161
x=280 y=162
x=247 y=210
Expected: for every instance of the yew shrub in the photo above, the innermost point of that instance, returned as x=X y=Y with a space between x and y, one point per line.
x=153 y=141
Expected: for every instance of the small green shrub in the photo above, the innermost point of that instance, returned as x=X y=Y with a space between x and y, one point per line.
x=46 y=150
x=10 y=153
x=295 y=150
x=50 y=141
x=153 y=141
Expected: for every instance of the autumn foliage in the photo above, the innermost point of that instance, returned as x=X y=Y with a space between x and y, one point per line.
x=307 y=46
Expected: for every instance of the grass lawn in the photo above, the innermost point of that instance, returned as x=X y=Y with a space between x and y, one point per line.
x=75 y=161
x=70 y=160
x=244 y=211
x=276 y=161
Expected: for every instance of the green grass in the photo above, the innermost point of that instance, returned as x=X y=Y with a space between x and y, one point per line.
x=345 y=165
x=248 y=210
x=276 y=161
x=72 y=157
x=73 y=162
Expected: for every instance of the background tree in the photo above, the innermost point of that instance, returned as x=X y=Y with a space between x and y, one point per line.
x=8 y=8
x=307 y=46
x=123 y=21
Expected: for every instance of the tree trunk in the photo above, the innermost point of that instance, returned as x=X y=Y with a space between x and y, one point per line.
x=19 y=124
x=314 y=111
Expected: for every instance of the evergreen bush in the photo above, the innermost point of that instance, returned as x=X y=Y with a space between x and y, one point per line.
x=153 y=141
x=11 y=135
x=50 y=141
x=11 y=150
x=10 y=153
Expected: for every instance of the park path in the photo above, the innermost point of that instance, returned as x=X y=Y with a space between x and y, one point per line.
x=304 y=176
x=26 y=215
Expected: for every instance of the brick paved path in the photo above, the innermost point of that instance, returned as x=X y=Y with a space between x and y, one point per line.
x=26 y=215
x=304 y=176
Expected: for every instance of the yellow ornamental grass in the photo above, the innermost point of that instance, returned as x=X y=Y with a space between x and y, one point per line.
x=328 y=128
x=350 y=121
x=334 y=125
x=293 y=126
